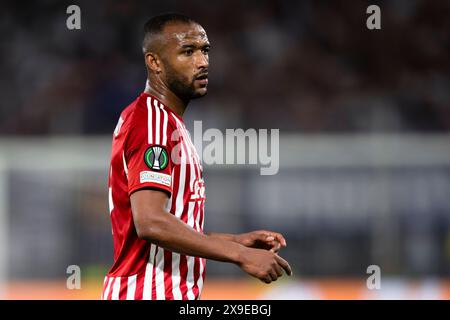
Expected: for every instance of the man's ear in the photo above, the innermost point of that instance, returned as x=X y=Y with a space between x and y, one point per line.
x=153 y=62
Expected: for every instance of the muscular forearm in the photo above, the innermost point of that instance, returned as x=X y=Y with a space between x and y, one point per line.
x=169 y=232
x=224 y=236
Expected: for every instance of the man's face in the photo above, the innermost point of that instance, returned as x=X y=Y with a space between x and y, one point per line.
x=185 y=60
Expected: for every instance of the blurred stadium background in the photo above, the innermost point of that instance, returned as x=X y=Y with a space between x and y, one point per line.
x=364 y=119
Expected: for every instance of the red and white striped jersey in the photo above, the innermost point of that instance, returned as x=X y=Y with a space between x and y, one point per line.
x=152 y=148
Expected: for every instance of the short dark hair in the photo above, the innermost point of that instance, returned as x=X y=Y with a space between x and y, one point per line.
x=157 y=23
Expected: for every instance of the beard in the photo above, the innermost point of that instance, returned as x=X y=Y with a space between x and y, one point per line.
x=180 y=85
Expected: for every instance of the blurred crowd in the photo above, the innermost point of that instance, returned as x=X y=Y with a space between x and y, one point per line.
x=306 y=66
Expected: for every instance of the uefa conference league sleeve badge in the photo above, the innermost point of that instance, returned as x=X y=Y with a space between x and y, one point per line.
x=156 y=158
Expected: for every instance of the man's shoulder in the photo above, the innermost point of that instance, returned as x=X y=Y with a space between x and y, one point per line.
x=135 y=114
x=127 y=118
x=136 y=105
x=147 y=108
x=148 y=116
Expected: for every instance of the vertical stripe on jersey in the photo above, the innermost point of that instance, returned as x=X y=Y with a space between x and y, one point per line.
x=123 y=288
x=197 y=218
x=191 y=260
x=109 y=296
x=148 y=280
x=176 y=208
x=103 y=291
x=195 y=289
x=179 y=204
x=159 y=277
x=190 y=277
x=183 y=275
x=191 y=214
x=158 y=122
x=165 y=120
x=131 y=287
x=106 y=293
x=140 y=278
x=202 y=215
x=110 y=200
x=168 y=288
x=150 y=120
x=116 y=289
x=125 y=167
x=200 y=278
x=176 y=292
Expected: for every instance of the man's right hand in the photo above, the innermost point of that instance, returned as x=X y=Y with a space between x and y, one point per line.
x=265 y=265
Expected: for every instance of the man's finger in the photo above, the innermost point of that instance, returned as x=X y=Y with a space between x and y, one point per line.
x=275 y=236
x=273 y=275
x=284 y=264
x=281 y=239
x=262 y=235
x=266 y=279
x=276 y=246
x=279 y=270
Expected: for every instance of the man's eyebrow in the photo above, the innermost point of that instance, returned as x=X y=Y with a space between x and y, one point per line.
x=187 y=46
x=190 y=46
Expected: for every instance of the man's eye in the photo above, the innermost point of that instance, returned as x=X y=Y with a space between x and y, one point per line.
x=205 y=50
x=189 y=52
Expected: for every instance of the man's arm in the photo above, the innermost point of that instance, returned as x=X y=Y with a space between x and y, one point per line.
x=224 y=236
x=154 y=224
x=262 y=239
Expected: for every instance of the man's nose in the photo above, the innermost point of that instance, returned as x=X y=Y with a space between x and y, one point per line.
x=202 y=61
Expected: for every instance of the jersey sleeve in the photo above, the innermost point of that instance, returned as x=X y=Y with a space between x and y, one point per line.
x=148 y=160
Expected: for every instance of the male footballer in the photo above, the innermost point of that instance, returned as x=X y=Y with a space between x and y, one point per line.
x=156 y=187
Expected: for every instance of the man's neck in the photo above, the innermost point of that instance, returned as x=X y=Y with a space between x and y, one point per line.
x=167 y=97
